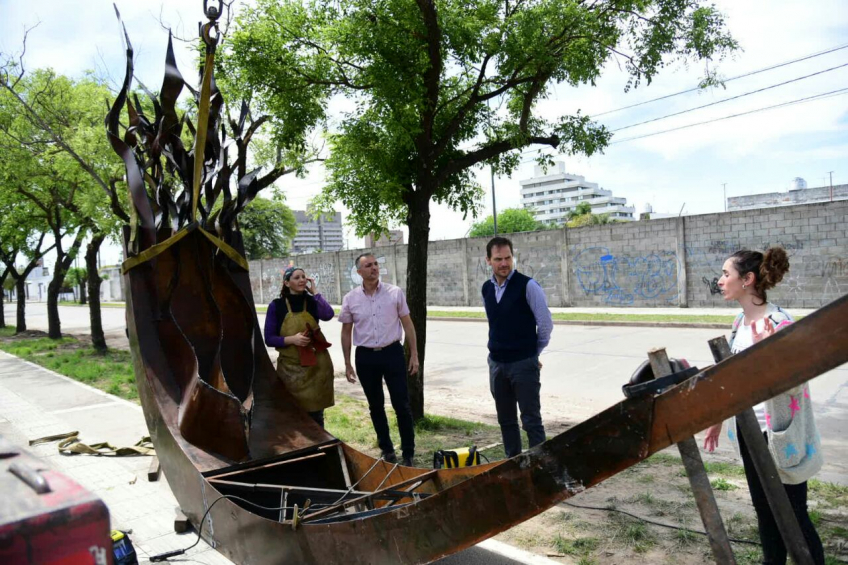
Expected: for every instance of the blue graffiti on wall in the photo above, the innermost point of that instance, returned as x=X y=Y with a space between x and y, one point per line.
x=624 y=280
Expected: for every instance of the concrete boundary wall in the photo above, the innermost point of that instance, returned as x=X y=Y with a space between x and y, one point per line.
x=660 y=263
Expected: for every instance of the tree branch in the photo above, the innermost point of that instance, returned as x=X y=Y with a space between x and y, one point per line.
x=489 y=151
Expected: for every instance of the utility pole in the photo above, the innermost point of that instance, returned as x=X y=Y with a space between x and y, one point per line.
x=494 y=205
x=831 y=185
x=724 y=187
x=492 y=170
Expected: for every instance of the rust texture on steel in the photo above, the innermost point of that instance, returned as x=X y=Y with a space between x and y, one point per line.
x=224 y=425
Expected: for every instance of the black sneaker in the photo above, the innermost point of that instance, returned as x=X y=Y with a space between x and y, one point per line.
x=407 y=462
x=390 y=457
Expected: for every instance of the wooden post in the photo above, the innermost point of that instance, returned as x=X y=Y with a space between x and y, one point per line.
x=154 y=469
x=787 y=524
x=698 y=480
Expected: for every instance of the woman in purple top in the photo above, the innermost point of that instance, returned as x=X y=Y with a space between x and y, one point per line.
x=291 y=326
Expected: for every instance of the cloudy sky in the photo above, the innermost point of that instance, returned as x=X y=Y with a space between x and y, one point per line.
x=755 y=153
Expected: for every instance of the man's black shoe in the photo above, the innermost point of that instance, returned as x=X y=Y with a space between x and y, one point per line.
x=390 y=457
x=407 y=462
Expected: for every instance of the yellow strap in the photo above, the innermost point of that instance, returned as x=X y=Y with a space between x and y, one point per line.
x=202 y=122
x=155 y=250
x=71 y=444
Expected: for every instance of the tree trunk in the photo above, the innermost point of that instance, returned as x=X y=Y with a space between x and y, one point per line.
x=82 y=292
x=20 y=290
x=54 y=324
x=98 y=339
x=3 y=299
x=418 y=221
x=63 y=263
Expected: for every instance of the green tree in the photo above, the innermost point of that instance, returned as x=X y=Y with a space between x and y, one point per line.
x=77 y=277
x=441 y=87
x=582 y=209
x=581 y=215
x=268 y=227
x=59 y=122
x=511 y=220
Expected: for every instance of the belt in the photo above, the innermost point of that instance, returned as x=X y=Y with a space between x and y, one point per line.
x=378 y=348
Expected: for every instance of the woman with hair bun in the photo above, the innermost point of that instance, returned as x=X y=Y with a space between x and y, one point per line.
x=785 y=420
x=291 y=326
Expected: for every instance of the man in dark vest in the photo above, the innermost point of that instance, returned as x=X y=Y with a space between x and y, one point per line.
x=519 y=329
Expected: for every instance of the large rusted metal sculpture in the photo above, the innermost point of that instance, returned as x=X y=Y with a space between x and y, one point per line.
x=261 y=480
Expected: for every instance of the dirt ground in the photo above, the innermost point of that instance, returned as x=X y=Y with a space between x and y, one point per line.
x=658 y=491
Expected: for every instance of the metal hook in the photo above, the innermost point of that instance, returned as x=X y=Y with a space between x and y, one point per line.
x=212 y=12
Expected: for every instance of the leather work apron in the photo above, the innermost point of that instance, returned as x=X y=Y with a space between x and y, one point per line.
x=311 y=386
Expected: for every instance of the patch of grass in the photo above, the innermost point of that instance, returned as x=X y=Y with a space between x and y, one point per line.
x=748 y=555
x=350 y=421
x=639 y=537
x=579 y=546
x=663 y=459
x=587 y=560
x=735 y=523
x=111 y=371
x=646 y=498
x=102 y=304
x=600 y=317
x=815 y=517
x=722 y=485
x=685 y=536
x=8 y=331
x=831 y=494
x=724 y=469
x=646 y=479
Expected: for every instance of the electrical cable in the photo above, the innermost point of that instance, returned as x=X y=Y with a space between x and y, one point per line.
x=655 y=523
x=772 y=67
x=168 y=554
x=732 y=98
x=798 y=101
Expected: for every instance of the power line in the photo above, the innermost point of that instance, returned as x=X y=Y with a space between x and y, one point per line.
x=798 y=101
x=811 y=56
x=732 y=97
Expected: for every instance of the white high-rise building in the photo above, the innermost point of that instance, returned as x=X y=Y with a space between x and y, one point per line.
x=550 y=197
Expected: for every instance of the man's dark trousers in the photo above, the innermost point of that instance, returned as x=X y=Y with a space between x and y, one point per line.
x=512 y=384
x=373 y=366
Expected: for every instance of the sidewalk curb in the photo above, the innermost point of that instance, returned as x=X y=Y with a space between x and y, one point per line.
x=622 y=323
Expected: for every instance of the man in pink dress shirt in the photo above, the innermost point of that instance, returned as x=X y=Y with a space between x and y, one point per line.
x=377 y=316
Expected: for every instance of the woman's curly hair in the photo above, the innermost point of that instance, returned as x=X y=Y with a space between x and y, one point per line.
x=768 y=268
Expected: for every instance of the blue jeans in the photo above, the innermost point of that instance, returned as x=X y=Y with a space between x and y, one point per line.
x=517 y=385
x=389 y=364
